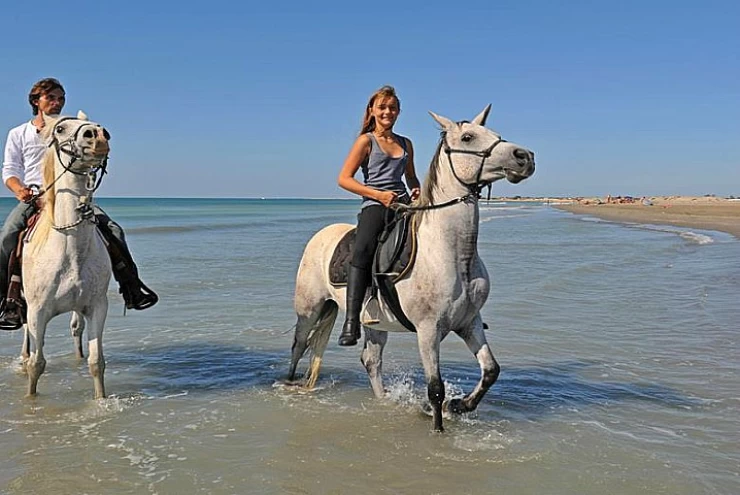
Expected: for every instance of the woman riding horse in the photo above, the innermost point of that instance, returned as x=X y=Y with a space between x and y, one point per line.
x=384 y=157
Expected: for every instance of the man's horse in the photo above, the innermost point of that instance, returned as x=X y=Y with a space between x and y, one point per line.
x=448 y=284
x=65 y=264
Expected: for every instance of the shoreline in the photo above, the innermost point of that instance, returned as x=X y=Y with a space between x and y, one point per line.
x=699 y=213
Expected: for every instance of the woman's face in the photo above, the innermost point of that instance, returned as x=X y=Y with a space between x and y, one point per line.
x=385 y=110
x=51 y=103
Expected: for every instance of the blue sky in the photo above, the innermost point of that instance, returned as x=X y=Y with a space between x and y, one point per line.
x=251 y=99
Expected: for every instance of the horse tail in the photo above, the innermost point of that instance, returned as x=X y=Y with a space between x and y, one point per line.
x=319 y=338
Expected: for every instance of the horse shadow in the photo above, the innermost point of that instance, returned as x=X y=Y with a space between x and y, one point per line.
x=196 y=367
x=536 y=391
x=527 y=392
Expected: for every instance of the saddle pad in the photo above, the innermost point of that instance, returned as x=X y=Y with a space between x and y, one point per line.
x=339 y=264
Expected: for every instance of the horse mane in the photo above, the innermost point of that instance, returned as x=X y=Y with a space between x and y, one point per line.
x=430 y=182
x=47 y=211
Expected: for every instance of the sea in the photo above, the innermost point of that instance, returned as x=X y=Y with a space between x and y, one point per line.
x=618 y=345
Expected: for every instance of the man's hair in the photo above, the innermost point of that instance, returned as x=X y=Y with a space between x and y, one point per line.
x=41 y=88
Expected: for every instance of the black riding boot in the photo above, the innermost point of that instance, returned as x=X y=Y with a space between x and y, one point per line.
x=135 y=293
x=357 y=279
x=12 y=304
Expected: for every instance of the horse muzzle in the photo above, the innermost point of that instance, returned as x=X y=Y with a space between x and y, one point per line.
x=523 y=166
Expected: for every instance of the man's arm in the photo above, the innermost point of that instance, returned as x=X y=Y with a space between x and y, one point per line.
x=13 y=167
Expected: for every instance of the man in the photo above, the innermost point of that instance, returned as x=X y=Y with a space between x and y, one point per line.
x=22 y=172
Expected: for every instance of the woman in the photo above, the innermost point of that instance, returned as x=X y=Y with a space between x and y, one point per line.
x=384 y=157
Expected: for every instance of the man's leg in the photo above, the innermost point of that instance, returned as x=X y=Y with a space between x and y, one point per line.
x=135 y=294
x=14 y=224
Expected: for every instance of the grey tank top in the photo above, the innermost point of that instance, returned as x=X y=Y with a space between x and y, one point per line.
x=383 y=172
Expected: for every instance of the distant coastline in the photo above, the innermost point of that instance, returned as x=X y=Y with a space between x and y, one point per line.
x=705 y=213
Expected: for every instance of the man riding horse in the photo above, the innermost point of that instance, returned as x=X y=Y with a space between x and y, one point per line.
x=22 y=174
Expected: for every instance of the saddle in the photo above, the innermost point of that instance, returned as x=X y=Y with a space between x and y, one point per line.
x=394 y=258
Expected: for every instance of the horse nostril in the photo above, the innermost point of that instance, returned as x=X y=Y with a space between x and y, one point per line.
x=521 y=154
x=89 y=134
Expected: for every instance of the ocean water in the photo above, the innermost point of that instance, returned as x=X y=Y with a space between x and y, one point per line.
x=618 y=346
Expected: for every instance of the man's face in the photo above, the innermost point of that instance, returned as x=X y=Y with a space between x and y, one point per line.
x=51 y=103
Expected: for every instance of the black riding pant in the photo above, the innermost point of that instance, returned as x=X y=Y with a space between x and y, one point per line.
x=370 y=224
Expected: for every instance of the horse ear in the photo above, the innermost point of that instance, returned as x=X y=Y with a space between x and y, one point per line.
x=446 y=123
x=480 y=119
x=81 y=115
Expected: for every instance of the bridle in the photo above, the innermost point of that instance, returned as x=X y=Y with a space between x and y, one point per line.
x=474 y=188
x=69 y=147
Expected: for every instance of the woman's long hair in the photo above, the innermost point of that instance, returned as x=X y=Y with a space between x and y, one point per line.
x=368 y=122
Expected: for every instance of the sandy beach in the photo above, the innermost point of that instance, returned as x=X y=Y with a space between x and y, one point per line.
x=706 y=213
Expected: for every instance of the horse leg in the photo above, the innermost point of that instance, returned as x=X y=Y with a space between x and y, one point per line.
x=429 y=340
x=300 y=342
x=77 y=326
x=25 y=349
x=95 y=359
x=36 y=363
x=372 y=359
x=475 y=338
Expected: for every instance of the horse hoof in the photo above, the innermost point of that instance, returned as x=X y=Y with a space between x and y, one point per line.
x=454 y=406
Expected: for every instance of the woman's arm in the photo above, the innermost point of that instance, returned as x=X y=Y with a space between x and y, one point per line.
x=346 y=180
x=411 y=179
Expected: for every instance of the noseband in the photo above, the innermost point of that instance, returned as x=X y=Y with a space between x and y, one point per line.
x=473 y=187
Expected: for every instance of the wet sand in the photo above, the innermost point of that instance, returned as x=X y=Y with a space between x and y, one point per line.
x=699 y=213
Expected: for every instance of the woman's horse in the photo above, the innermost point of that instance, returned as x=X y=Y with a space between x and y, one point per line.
x=66 y=266
x=448 y=284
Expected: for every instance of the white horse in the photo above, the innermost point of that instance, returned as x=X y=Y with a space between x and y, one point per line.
x=66 y=266
x=448 y=283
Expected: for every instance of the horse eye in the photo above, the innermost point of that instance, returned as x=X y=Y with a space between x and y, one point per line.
x=60 y=129
x=466 y=138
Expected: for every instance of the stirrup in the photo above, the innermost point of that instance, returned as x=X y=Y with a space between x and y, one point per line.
x=10 y=319
x=142 y=297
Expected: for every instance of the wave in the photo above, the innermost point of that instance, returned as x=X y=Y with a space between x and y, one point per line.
x=501 y=217
x=687 y=235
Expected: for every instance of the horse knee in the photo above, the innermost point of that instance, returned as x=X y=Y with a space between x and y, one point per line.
x=369 y=360
x=97 y=368
x=490 y=374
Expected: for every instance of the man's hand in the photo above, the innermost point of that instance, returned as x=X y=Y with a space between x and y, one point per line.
x=24 y=194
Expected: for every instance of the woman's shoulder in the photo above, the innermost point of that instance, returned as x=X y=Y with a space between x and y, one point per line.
x=364 y=140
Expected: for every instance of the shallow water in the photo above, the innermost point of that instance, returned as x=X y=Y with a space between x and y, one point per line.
x=618 y=346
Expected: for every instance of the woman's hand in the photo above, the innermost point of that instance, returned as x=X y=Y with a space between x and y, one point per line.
x=415 y=192
x=386 y=197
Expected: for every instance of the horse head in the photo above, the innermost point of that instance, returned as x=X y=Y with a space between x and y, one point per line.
x=80 y=145
x=478 y=156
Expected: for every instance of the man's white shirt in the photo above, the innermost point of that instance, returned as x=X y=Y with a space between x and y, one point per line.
x=24 y=151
